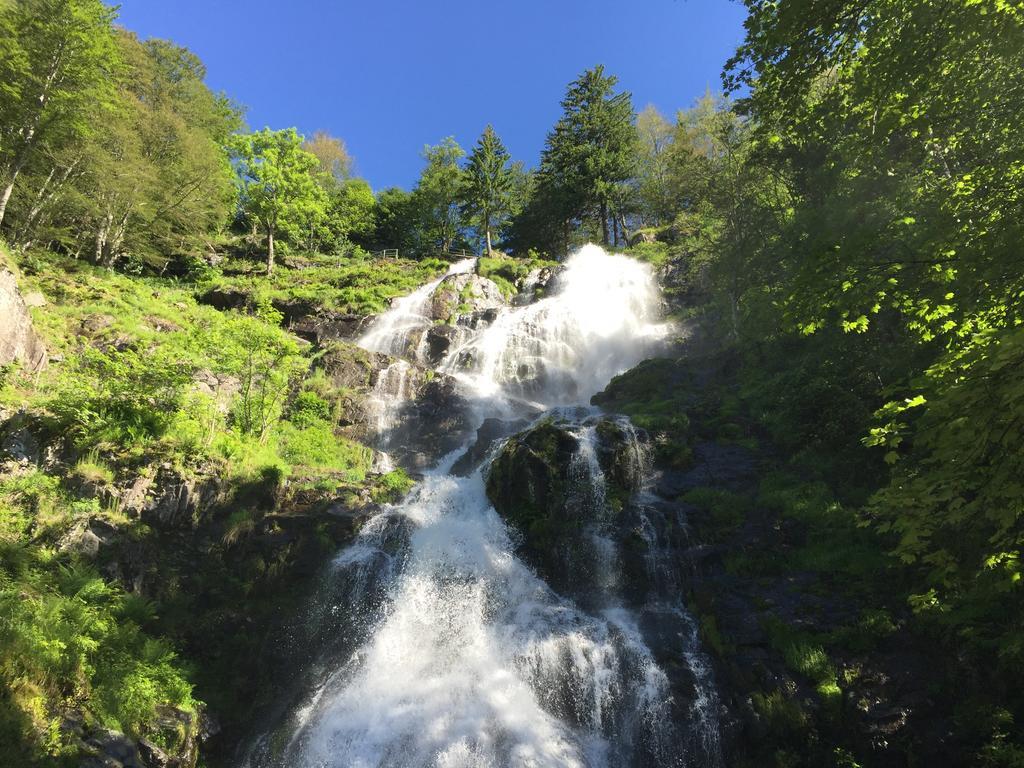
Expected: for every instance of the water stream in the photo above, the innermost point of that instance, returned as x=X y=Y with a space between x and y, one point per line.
x=457 y=654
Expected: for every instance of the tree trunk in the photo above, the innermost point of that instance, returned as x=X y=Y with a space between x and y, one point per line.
x=487 y=234
x=101 y=237
x=270 y=250
x=604 y=223
x=5 y=196
x=624 y=230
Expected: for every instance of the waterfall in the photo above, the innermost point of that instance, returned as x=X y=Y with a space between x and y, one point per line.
x=461 y=656
x=399 y=331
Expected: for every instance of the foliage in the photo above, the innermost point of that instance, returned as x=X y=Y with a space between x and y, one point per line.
x=279 y=189
x=437 y=195
x=587 y=158
x=56 y=67
x=487 y=190
x=71 y=641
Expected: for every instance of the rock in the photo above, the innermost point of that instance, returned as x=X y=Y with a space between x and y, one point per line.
x=226 y=298
x=440 y=340
x=178 y=501
x=323 y=326
x=348 y=366
x=18 y=339
x=642 y=236
x=528 y=484
x=487 y=435
x=18 y=442
x=111 y=748
x=87 y=537
x=34 y=299
x=93 y=325
x=162 y=325
x=537 y=284
x=433 y=422
x=222 y=388
x=152 y=755
x=463 y=294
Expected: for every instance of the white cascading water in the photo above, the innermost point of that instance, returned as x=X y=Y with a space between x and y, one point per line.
x=469 y=660
x=402 y=326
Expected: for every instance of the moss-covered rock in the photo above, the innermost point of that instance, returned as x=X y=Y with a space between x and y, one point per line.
x=463 y=294
x=528 y=484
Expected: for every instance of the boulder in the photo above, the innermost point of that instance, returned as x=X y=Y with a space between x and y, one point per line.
x=18 y=339
x=529 y=484
x=464 y=294
x=441 y=339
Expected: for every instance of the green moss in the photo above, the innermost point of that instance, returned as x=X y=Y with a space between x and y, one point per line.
x=725 y=512
x=391 y=487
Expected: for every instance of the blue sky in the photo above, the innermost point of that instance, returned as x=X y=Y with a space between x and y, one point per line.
x=389 y=76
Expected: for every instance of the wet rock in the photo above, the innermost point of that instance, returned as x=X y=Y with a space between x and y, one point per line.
x=487 y=435
x=480 y=319
x=624 y=454
x=107 y=748
x=440 y=340
x=529 y=483
x=535 y=285
x=431 y=424
x=323 y=326
x=18 y=339
x=714 y=464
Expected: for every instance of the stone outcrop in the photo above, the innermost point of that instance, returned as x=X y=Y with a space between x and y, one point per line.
x=529 y=483
x=428 y=417
x=464 y=294
x=19 y=342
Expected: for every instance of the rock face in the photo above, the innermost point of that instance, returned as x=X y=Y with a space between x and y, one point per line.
x=18 y=339
x=530 y=484
x=416 y=416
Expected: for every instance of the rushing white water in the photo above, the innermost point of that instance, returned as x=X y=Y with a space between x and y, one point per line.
x=562 y=349
x=402 y=326
x=470 y=659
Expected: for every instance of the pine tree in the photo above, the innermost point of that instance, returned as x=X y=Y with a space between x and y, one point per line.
x=488 y=186
x=592 y=149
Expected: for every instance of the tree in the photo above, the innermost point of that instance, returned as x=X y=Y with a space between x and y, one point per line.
x=397 y=221
x=332 y=154
x=279 y=189
x=654 y=134
x=591 y=150
x=58 y=62
x=488 y=184
x=438 y=192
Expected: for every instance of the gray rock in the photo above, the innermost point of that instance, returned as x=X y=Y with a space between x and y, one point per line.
x=464 y=294
x=18 y=339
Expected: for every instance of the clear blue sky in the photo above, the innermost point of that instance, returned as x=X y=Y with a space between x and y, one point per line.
x=389 y=76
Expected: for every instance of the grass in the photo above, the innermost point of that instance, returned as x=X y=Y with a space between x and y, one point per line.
x=507 y=273
x=352 y=285
x=147 y=376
